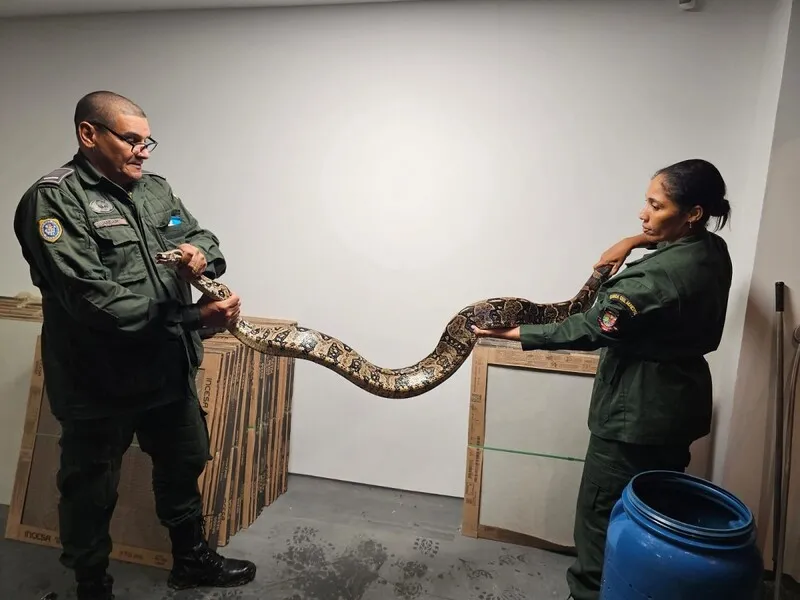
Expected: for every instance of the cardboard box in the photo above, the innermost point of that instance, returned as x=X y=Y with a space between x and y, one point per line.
x=248 y=399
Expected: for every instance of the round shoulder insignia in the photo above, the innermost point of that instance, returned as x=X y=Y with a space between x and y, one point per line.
x=50 y=229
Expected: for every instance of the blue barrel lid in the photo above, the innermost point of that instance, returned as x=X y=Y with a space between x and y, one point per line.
x=687 y=507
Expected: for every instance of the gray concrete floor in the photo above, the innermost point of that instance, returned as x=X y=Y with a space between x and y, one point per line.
x=327 y=540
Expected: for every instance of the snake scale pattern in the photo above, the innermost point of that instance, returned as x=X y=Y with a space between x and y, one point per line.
x=454 y=346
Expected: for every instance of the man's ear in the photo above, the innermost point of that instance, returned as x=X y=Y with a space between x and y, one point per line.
x=87 y=134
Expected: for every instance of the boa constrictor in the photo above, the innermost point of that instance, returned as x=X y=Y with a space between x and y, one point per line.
x=455 y=343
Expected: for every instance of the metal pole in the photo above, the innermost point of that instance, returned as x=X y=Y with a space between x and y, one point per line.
x=787 y=467
x=778 y=475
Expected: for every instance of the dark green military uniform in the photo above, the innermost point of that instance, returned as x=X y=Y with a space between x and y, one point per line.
x=654 y=322
x=120 y=344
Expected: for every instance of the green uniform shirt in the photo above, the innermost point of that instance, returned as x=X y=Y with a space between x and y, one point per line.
x=654 y=321
x=120 y=331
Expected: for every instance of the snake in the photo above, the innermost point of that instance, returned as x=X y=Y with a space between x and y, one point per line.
x=452 y=350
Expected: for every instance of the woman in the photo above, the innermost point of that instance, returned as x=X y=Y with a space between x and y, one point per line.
x=655 y=321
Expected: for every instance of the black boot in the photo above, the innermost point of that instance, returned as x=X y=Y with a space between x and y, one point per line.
x=194 y=564
x=97 y=587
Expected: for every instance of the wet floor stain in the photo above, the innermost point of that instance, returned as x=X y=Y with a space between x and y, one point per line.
x=511 y=593
x=474 y=572
x=426 y=547
x=408 y=579
x=315 y=569
x=202 y=594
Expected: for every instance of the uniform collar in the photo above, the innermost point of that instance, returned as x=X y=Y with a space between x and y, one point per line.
x=699 y=235
x=86 y=170
x=92 y=175
x=662 y=246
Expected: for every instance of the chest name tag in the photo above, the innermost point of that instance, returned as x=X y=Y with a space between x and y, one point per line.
x=174 y=221
x=110 y=222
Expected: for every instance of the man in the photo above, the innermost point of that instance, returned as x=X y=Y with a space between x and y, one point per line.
x=120 y=342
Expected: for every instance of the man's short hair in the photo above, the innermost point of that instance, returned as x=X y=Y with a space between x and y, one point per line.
x=102 y=106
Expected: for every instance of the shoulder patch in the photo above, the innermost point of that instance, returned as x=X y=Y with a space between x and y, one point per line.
x=50 y=229
x=608 y=320
x=56 y=176
x=622 y=299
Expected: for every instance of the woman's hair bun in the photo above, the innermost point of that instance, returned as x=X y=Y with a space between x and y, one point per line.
x=720 y=208
x=697 y=182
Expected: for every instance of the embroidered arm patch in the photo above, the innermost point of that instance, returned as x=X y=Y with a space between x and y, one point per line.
x=619 y=311
x=620 y=298
x=50 y=229
x=608 y=320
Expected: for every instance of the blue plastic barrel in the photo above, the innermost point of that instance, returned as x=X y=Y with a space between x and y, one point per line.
x=674 y=536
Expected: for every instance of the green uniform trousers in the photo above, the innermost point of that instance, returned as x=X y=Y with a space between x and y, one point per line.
x=174 y=435
x=609 y=467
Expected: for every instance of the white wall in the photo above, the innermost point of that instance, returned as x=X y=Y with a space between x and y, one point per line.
x=748 y=218
x=372 y=169
x=749 y=458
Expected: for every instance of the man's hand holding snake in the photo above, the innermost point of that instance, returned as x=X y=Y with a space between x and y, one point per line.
x=193 y=262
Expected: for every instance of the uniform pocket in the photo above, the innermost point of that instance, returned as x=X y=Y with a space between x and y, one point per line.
x=608 y=371
x=207 y=436
x=607 y=471
x=121 y=253
x=171 y=226
x=609 y=394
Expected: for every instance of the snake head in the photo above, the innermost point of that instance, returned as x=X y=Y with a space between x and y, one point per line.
x=170 y=258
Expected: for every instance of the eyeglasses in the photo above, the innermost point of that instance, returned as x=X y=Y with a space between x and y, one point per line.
x=136 y=147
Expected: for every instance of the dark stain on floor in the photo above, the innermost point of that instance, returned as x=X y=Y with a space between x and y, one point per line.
x=426 y=547
x=474 y=572
x=326 y=540
x=409 y=586
x=198 y=594
x=511 y=593
x=315 y=568
x=317 y=571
